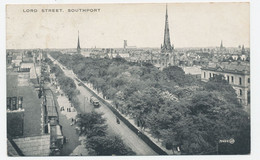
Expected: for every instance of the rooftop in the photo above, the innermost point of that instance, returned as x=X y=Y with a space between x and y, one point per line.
x=11 y=149
x=33 y=146
x=229 y=67
x=31 y=105
x=192 y=70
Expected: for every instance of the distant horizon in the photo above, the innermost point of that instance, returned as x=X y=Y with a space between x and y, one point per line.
x=142 y=25
x=123 y=48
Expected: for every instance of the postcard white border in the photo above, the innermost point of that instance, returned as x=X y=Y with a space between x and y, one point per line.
x=255 y=78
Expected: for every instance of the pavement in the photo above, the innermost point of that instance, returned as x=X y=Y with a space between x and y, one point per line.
x=128 y=136
x=66 y=108
x=65 y=121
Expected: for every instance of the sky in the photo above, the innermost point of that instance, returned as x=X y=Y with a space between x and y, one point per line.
x=142 y=25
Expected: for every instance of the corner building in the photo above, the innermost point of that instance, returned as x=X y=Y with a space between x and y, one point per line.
x=237 y=75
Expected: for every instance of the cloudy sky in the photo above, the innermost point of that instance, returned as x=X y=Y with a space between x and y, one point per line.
x=142 y=25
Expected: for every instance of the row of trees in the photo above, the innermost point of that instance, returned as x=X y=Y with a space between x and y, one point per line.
x=92 y=125
x=94 y=130
x=67 y=84
x=174 y=107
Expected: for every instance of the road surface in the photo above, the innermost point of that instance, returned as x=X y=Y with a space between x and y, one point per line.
x=127 y=135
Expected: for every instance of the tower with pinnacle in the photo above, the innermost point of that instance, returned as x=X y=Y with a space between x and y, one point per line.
x=78 y=46
x=243 y=50
x=221 y=46
x=167 y=57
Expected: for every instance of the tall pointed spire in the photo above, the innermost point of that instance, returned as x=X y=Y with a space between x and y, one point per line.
x=243 y=50
x=221 y=45
x=78 y=47
x=167 y=42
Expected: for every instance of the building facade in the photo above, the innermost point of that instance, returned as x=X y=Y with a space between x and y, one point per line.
x=237 y=75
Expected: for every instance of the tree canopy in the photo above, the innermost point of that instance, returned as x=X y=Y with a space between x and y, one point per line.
x=174 y=107
x=97 y=141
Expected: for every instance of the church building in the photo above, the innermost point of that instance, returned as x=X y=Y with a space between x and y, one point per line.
x=167 y=56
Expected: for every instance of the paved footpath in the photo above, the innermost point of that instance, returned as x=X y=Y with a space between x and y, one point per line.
x=127 y=135
x=68 y=130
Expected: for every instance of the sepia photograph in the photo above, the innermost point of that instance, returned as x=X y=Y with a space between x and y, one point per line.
x=133 y=79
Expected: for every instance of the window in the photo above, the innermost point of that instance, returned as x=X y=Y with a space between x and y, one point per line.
x=240 y=81
x=248 y=80
x=204 y=74
x=228 y=79
x=232 y=79
x=9 y=102
x=14 y=103
x=20 y=102
x=240 y=92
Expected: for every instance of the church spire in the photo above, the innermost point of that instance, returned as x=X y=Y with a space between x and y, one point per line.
x=221 y=45
x=167 y=42
x=243 y=50
x=78 y=47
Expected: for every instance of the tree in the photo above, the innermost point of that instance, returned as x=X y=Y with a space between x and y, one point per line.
x=177 y=75
x=108 y=145
x=210 y=120
x=92 y=124
x=219 y=84
x=110 y=93
x=174 y=73
x=178 y=109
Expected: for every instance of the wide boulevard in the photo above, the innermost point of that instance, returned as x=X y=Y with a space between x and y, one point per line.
x=127 y=135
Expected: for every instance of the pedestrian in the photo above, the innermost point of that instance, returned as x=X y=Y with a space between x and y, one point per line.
x=72 y=119
x=117 y=121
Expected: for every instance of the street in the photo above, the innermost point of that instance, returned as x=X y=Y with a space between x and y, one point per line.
x=127 y=135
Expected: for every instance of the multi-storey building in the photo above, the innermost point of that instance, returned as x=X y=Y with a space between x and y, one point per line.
x=32 y=121
x=237 y=74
